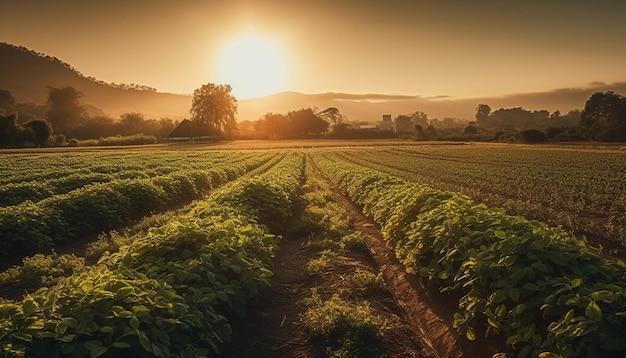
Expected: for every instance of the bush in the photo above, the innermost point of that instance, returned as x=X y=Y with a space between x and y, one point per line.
x=534 y=136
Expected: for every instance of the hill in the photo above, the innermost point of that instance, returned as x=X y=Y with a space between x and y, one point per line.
x=371 y=107
x=27 y=74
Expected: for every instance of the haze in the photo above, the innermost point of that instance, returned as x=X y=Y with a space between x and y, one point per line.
x=458 y=49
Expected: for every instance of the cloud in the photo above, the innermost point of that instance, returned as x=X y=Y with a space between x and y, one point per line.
x=373 y=97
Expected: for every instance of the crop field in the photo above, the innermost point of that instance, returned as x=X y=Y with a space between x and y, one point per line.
x=182 y=250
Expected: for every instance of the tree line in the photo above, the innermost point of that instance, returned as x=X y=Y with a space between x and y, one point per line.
x=214 y=108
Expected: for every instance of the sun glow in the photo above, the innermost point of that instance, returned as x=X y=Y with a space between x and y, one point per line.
x=253 y=66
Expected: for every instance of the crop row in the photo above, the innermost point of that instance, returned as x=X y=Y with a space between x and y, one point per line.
x=583 y=191
x=38 y=177
x=547 y=293
x=105 y=206
x=170 y=293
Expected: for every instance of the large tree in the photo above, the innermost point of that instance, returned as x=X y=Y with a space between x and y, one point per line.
x=305 y=122
x=482 y=113
x=275 y=126
x=7 y=102
x=604 y=117
x=66 y=112
x=41 y=131
x=213 y=110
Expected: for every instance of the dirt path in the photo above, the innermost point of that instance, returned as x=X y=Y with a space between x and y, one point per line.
x=419 y=319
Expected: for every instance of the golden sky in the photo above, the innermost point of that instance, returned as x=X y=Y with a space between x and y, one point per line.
x=463 y=49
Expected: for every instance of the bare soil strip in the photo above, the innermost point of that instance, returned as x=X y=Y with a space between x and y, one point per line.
x=419 y=318
x=428 y=311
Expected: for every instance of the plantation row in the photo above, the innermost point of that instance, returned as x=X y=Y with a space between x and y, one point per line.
x=546 y=293
x=170 y=293
x=583 y=191
x=41 y=176
x=105 y=206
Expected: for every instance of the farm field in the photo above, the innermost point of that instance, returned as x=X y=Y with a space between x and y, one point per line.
x=365 y=248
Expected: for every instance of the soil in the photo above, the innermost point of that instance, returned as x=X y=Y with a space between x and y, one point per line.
x=419 y=317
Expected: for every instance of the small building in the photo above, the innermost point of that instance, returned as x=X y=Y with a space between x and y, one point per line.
x=183 y=130
x=187 y=130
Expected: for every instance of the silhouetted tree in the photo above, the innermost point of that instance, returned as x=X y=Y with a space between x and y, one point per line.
x=213 y=110
x=431 y=132
x=275 y=126
x=419 y=132
x=470 y=129
x=332 y=116
x=10 y=131
x=419 y=117
x=305 y=122
x=604 y=117
x=130 y=123
x=65 y=112
x=7 y=102
x=96 y=127
x=533 y=136
x=41 y=131
x=482 y=113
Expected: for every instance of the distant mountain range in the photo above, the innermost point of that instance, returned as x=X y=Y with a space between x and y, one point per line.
x=27 y=74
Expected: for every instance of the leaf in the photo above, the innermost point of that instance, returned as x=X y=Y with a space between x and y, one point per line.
x=576 y=282
x=120 y=345
x=86 y=285
x=124 y=291
x=593 y=311
x=602 y=296
x=133 y=322
x=470 y=334
x=514 y=294
x=144 y=341
x=97 y=352
x=29 y=307
x=499 y=234
x=107 y=330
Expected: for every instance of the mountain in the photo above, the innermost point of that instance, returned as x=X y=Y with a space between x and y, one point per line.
x=27 y=74
x=371 y=107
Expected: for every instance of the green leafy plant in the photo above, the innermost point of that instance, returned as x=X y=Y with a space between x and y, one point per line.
x=348 y=330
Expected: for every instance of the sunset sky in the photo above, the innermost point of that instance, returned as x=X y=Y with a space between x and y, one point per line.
x=462 y=49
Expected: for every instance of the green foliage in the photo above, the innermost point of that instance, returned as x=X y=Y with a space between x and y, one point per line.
x=168 y=293
x=367 y=282
x=41 y=269
x=354 y=241
x=348 y=330
x=101 y=203
x=543 y=290
x=318 y=265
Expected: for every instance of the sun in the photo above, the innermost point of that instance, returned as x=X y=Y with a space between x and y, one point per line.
x=253 y=66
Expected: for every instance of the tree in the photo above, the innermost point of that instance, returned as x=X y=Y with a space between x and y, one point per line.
x=66 y=111
x=275 y=126
x=604 y=117
x=419 y=132
x=332 y=116
x=482 y=113
x=41 y=131
x=213 y=110
x=431 y=132
x=534 y=136
x=470 y=129
x=305 y=122
x=10 y=131
x=7 y=102
x=130 y=123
